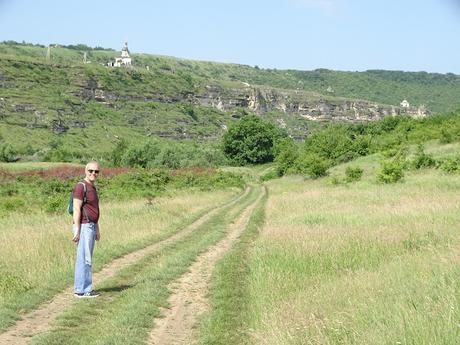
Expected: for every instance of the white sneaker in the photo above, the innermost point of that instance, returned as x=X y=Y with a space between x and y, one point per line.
x=91 y=294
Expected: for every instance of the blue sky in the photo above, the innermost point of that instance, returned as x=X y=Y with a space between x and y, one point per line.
x=350 y=35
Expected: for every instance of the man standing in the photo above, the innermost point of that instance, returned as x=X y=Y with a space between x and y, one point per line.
x=85 y=229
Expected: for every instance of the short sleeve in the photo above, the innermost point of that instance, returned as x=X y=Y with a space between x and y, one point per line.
x=78 y=192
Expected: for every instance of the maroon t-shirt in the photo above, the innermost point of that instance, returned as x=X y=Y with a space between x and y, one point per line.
x=91 y=207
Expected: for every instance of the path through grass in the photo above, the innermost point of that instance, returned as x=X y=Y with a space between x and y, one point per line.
x=132 y=298
x=28 y=280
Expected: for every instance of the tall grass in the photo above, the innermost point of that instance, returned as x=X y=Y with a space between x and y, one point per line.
x=358 y=264
x=37 y=255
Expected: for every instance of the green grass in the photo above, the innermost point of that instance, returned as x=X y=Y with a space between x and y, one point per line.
x=28 y=166
x=371 y=164
x=28 y=280
x=227 y=321
x=359 y=263
x=124 y=313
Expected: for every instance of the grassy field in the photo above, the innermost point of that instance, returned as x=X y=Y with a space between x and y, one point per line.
x=28 y=166
x=319 y=263
x=28 y=280
x=358 y=263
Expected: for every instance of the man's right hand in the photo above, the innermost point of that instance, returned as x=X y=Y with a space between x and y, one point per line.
x=76 y=234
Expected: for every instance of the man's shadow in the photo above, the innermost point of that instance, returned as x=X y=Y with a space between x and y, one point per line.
x=118 y=288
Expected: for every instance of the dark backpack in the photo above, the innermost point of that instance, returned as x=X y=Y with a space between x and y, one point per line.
x=70 y=204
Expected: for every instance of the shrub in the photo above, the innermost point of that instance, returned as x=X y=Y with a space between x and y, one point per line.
x=450 y=165
x=54 y=193
x=156 y=153
x=225 y=179
x=190 y=178
x=311 y=165
x=389 y=142
x=118 y=152
x=353 y=174
x=390 y=172
x=422 y=160
x=7 y=153
x=446 y=136
x=14 y=203
x=388 y=124
x=286 y=158
x=139 y=156
x=135 y=183
x=332 y=143
x=56 y=203
x=361 y=145
x=8 y=189
x=170 y=157
x=60 y=154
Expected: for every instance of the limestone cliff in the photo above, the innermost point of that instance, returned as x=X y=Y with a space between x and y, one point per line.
x=307 y=105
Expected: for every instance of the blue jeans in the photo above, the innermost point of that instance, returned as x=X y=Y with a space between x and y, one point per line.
x=83 y=271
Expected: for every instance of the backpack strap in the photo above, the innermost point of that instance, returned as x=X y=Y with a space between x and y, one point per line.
x=84 y=191
x=84 y=200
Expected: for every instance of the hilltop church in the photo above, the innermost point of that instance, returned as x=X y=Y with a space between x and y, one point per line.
x=124 y=60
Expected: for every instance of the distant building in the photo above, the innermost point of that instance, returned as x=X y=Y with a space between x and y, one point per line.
x=124 y=60
x=404 y=104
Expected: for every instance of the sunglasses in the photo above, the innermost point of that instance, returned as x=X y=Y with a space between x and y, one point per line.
x=91 y=171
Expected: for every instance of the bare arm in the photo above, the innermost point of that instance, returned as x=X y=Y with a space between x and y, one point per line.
x=77 y=203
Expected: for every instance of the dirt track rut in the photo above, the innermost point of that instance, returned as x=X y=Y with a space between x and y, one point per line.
x=188 y=300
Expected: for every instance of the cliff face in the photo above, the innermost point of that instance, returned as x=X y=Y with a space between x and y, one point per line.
x=260 y=101
x=312 y=107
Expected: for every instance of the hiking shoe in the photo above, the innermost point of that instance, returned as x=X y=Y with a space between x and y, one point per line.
x=91 y=294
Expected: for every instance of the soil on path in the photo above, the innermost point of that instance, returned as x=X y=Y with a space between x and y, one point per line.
x=42 y=319
x=188 y=300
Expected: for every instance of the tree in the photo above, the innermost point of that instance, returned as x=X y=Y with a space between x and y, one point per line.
x=251 y=141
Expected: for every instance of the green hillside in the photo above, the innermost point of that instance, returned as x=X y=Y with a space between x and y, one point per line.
x=60 y=101
x=439 y=92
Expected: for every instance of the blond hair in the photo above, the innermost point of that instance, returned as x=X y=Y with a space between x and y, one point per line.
x=91 y=162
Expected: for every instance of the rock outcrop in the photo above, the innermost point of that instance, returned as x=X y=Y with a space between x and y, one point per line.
x=306 y=105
